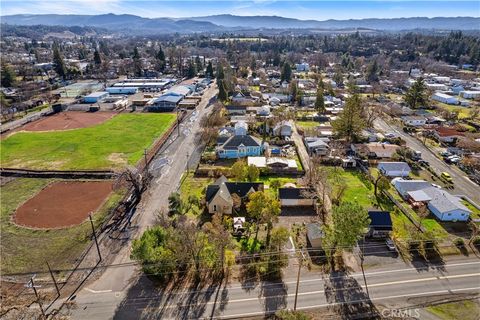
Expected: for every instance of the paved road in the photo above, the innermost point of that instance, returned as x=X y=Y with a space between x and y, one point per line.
x=396 y=287
x=462 y=184
x=167 y=178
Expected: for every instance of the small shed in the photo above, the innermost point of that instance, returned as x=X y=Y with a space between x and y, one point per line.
x=380 y=224
x=315 y=235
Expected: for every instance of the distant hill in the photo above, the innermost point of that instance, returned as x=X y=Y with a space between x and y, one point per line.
x=440 y=23
x=226 y=22
x=124 y=22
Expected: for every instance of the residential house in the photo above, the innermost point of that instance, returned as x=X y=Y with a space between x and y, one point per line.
x=302 y=67
x=283 y=129
x=403 y=186
x=447 y=135
x=219 y=194
x=263 y=111
x=243 y=99
x=236 y=110
x=470 y=94
x=380 y=224
x=317 y=146
x=394 y=169
x=241 y=128
x=445 y=206
x=295 y=197
x=414 y=121
x=375 y=150
x=239 y=147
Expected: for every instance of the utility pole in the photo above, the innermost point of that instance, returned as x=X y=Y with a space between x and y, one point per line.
x=188 y=170
x=361 y=265
x=146 y=161
x=95 y=237
x=53 y=278
x=300 y=262
x=32 y=283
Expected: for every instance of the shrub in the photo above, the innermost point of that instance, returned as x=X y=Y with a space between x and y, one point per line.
x=476 y=241
x=459 y=242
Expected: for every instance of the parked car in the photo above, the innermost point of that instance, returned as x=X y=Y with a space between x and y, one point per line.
x=390 y=245
x=423 y=163
x=446 y=176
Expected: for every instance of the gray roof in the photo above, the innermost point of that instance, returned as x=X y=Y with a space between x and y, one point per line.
x=235 y=141
x=444 y=201
x=314 y=231
x=168 y=98
x=404 y=186
x=394 y=166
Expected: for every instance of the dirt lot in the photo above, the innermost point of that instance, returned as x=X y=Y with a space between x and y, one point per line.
x=68 y=120
x=63 y=204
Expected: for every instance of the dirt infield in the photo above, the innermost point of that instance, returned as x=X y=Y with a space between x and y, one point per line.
x=63 y=204
x=68 y=120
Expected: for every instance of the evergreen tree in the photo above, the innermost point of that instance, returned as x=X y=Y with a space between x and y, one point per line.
x=192 y=71
x=59 y=64
x=286 y=74
x=319 y=101
x=349 y=123
x=372 y=72
x=97 y=58
x=160 y=59
x=209 y=72
x=8 y=76
x=416 y=96
x=220 y=72
x=222 y=92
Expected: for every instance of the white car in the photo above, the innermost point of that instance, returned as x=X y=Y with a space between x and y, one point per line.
x=390 y=245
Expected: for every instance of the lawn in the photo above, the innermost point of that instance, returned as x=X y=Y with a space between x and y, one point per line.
x=112 y=144
x=359 y=188
x=466 y=310
x=307 y=124
x=475 y=212
x=193 y=186
x=463 y=111
x=26 y=250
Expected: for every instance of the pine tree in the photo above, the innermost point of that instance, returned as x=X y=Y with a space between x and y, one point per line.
x=416 y=96
x=160 y=59
x=319 y=101
x=222 y=92
x=220 y=72
x=97 y=58
x=191 y=72
x=372 y=72
x=59 y=64
x=286 y=74
x=349 y=123
x=209 y=72
x=8 y=76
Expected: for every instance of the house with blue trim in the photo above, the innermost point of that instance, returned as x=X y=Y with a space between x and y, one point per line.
x=240 y=146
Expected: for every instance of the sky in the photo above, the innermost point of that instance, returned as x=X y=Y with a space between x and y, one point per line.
x=307 y=9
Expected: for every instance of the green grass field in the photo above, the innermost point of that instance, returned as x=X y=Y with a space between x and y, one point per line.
x=466 y=310
x=26 y=250
x=112 y=144
x=359 y=188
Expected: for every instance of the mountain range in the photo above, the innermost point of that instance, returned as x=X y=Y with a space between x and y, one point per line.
x=227 y=22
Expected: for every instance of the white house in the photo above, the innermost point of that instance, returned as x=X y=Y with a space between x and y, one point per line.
x=445 y=98
x=445 y=206
x=241 y=128
x=302 y=67
x=470 y=94
x=394 y=169
x=414 y=120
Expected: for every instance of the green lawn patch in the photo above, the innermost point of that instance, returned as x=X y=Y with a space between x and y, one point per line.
x=463 y=111
x=112 y=144
x=359 y=188
x=26 y=250
x=475 y=212
x=194 y=186
x=465 y=310
x=307 y=124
